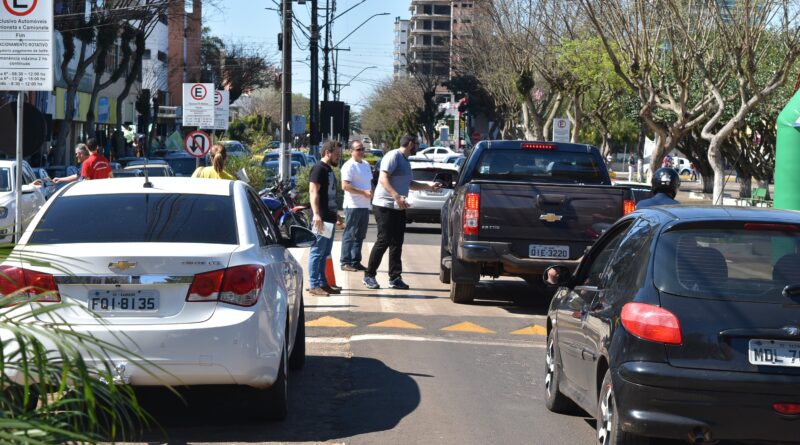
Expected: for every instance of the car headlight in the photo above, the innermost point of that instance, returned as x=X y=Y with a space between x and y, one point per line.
x=3 y=212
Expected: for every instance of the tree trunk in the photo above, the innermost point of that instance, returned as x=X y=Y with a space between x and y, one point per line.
x=718 y=165
x=708 y=182
x=745 y=184
x=527 y=110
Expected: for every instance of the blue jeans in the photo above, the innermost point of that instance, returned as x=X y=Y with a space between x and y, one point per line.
x=316 y=260
x=355 y=231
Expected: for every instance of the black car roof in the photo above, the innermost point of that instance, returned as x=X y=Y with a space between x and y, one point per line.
x=516 y=145
x=715 y=213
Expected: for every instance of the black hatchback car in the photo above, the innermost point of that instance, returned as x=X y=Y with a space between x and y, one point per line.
x=682 y=322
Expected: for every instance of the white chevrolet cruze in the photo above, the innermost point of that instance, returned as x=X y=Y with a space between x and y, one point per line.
x=190 y=275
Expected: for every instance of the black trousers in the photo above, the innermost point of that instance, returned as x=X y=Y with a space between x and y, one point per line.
x=391 y=233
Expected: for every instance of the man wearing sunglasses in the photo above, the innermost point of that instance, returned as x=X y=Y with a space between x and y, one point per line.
x=357 y=186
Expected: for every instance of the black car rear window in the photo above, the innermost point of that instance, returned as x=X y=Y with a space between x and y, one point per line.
x=539 y=165
x=138 y=218
x=728 y=264
x=183 y=166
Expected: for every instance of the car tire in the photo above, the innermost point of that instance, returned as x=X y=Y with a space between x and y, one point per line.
x=554 y=399
x=273 y=403
x=609 y=429
x=444 y=272
x=462 y=293
x=686 y=172
x=298 y=358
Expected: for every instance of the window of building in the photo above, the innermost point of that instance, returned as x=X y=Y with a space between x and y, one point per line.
x=441 y=9
x=426 y=24
x=426 y=40
x=440 y=41
x=442 y=25
x=146 y=55
x=427 y=9
x=162 y=56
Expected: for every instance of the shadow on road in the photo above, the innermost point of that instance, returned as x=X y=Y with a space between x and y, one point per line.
x=331 y=398
x=516 y=297
x=429 y=229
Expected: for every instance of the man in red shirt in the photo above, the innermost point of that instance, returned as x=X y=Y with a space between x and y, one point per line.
x=96 y=166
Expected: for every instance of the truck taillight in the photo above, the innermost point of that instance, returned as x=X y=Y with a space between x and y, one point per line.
x=472 y=207
x=36 y=285
x=239 y=285
x=628 y=206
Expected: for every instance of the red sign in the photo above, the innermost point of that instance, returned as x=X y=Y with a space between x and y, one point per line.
x=197 y=144
x=198 y=91
x=20 y=8
x=217 y=98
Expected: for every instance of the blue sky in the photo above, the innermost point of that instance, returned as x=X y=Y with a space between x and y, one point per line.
x=248 y=22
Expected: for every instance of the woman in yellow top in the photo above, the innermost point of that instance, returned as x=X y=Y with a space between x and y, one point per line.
x=217 y=168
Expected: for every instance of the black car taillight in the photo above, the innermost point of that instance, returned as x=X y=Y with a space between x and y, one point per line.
x=472 y=208
x=652 y=323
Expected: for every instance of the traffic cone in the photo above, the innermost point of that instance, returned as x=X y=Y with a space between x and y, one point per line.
x=330 y=276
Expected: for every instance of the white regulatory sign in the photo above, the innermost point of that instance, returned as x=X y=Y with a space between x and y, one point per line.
x=26 y=45
x=198 y=105
x=221 y=109
x=561 y=130
x=197 y=143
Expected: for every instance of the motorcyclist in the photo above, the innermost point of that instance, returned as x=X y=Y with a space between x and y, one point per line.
x=665 y=184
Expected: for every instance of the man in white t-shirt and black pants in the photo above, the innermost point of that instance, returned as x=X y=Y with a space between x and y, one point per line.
x=357 y=186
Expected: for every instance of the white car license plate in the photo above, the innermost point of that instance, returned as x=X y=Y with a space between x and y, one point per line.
x=774 y=353
x=548 y=251
x=435 y=192
x=123 y=301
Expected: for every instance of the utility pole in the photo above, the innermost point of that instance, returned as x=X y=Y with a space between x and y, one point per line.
x=314 y=112
x=336 y=71
x=329 y=14
x=284 y=170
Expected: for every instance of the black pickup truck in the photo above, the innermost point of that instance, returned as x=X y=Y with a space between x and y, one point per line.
x=520 y=206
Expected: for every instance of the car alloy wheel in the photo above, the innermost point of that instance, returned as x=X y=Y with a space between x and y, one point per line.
x=609 y=431
x=554 y=400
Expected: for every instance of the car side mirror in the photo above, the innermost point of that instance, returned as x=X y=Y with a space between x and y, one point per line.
x=301 y=237
x=557 y=276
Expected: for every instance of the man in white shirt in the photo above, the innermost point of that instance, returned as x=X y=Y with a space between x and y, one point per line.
x=357 y=186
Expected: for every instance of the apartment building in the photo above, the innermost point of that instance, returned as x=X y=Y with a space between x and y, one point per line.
x=400 y=47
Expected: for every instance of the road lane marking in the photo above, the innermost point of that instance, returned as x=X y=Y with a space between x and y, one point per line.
x=468 y=327
x=415 y=338
x=329 y=322
x=533 y=329
x=396 y=323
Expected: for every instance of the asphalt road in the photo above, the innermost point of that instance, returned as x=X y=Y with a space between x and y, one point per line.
x=400 y=367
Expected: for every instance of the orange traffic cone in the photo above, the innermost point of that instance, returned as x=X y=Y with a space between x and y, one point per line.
x=330 y=276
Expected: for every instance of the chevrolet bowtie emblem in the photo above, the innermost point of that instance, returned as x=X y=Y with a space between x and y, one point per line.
x=550 y=217
x=122 y=265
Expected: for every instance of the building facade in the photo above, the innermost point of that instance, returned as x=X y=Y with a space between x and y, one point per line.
x=400 y=47
x=429 y=38
x=184 y=31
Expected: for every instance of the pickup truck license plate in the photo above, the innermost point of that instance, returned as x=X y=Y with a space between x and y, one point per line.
x=434 y=192
x=548 y=251
x=774 y=353
x=123 y=301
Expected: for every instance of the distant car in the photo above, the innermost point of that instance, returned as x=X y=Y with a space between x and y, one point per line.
x=681 y=322
x=192 y=276
x=681 y=165
x=33 y=198
x=128 y=173
x=61 y=171
x=375 y=152
x=125 y=160
x=153 y=168
x=426 y=205
x=437 y=154
x=296 y=156
x=367 y=143
x=274 y=145
x=273 y=167
x=182 y=163
x=236 y=148
x=48 y=187
x=312 y=160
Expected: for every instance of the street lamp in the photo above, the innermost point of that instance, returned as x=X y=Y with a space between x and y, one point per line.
x=359 y=26
x=341 y=87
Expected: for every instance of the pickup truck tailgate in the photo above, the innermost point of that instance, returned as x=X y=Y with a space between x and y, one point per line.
x=528 y=214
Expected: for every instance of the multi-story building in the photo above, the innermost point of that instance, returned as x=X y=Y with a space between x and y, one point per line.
x=429 y=38
x=155 y=68
x=460 y=32
x=400 y=47
x=183 y=47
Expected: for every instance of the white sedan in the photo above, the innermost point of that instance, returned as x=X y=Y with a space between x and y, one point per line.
x=436 y=154
x=33 y=198
x=426 y=205
x=191 y=276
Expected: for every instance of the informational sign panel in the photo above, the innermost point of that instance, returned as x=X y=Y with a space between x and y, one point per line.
x=198 y=105
x=561 y=130
x=298 y=124
x=221 y=109
x=26 y=45
x=197 y=143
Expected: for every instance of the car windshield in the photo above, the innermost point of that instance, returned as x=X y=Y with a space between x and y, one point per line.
x=5 y=180
x=154 y=170
x=539 y=165
x=138 y=218
x=183 y=166
x=728 y=264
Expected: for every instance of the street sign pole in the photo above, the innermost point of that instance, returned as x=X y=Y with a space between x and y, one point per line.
x=284 y=170
x=18 y=180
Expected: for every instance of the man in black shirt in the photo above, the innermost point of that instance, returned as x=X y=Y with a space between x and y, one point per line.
x=322 y=191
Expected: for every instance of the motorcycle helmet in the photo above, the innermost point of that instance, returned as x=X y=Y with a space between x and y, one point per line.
x=667 y=181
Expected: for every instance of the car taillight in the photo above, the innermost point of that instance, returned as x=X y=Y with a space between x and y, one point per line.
x=790 y=409
x=239 y=285
x=36 y=285
x=206 y=286
x=472 y=207
x=652 y=323
x=772 y=227
x=628 y=206
x=537 y=146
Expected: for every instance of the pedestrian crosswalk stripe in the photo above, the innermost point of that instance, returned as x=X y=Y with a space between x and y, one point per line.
x=468 y=327
x=395 y=323
x=329 y=322
x=533 y=329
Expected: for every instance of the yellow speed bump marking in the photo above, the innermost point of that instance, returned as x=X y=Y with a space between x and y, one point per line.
x=395 y=323
x=468 y=327
x=329 y=322
x=533 y=329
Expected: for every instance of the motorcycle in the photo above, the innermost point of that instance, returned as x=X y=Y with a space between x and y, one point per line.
x=281 y=203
